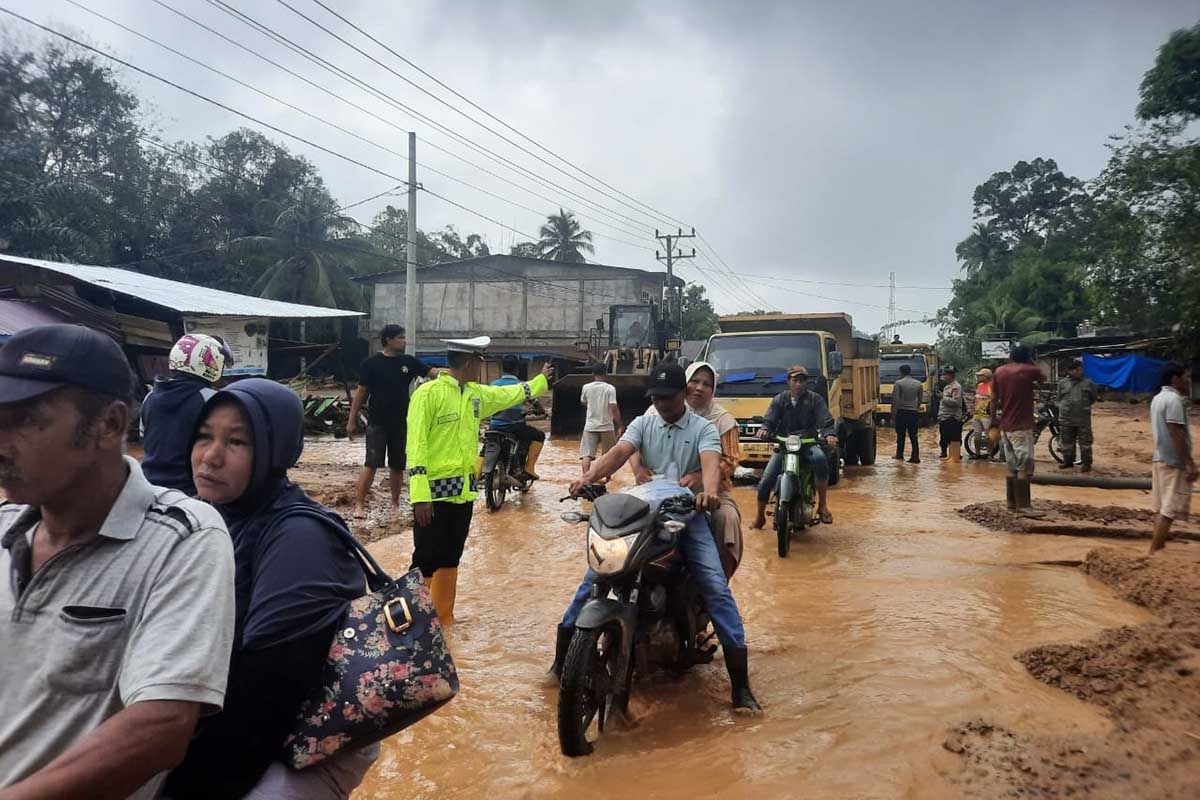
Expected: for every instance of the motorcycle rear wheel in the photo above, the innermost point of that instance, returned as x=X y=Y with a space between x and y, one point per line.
x=1055 y=447
x=494 y=488
x=586 y=688
x=783 y=528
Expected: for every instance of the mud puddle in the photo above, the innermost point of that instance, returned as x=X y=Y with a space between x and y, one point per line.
x=875 y=637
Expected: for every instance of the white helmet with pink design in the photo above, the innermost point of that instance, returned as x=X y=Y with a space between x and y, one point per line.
x=200 y=355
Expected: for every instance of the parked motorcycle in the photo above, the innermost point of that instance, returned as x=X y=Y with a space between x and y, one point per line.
x=645 y=611
x=1046 y=418
x=795 y=491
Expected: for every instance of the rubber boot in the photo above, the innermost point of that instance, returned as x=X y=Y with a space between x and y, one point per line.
x=479 y=468
x=1010 y=493
x=565 y=633
x=443 y=586
x=535 y=450
x=955 y=449
x=739 y=680
x=1022 y=494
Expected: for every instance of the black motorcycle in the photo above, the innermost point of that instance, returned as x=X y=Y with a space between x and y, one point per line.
x=645 y=612
x=978 y=446
x=504 y=464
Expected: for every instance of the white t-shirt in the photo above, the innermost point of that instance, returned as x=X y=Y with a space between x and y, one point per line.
x=598 y=396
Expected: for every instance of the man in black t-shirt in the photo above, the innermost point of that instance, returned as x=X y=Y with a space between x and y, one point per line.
x=383 y=384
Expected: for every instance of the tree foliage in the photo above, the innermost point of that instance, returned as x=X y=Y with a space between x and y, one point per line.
x=699 y=316
x=1172 y=85
x=564 y=239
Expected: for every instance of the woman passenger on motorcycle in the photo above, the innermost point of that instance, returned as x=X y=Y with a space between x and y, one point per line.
x=726 y=521
x=293 y=581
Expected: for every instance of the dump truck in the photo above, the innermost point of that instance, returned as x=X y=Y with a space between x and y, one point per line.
x=637 y=339
x=753 y=353
x=923 y=360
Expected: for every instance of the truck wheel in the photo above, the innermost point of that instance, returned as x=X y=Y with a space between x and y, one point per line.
x=849 y=446
x=866 y=446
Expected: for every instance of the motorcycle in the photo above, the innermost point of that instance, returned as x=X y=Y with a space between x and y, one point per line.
x=504 y=466
x=795 y=491
x=1046 y=418
x=645 y=611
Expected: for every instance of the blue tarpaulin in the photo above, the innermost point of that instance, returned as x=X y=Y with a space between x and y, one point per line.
x=1124 y=373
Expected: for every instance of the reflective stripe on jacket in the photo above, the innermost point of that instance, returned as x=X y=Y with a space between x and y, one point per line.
x=443 y=434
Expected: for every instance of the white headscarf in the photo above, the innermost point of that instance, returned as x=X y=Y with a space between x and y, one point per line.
x=713 y=412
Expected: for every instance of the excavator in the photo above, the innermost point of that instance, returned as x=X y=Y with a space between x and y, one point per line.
x=636 y=339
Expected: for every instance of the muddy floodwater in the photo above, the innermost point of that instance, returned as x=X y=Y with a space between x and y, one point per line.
x=874 y=637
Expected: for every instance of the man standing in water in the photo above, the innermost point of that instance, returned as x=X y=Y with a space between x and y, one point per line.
x=384 y=382
x=951 y=411
x=443 y=448
x=603 y=416
x=906 y=410
x=1175 y=469
x=1012 y=397
x=1076 y=394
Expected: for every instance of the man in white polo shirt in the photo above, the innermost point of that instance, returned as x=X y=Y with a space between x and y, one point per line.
x=116 y=610
x=603 y=425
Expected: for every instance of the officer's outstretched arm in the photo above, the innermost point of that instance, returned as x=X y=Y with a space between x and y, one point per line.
x=498 y=398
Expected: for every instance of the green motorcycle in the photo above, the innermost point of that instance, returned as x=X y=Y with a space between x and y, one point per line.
x=795 y=490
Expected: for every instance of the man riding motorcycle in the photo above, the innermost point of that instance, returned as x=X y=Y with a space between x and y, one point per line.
x=797 y=411
x=512 y=420
x=679 y=440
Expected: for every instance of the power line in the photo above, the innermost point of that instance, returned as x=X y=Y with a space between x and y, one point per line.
x=198 y=95
x=312 y=115
x=449 y=105
x=492 y=116
x=344 y=74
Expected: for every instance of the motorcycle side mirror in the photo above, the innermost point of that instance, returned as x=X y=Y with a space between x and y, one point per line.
x=574 y=517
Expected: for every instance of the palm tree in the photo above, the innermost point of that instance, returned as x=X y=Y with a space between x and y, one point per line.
x=983 y=248
x=313 y=251
x=564 y=239
x=1001 y=315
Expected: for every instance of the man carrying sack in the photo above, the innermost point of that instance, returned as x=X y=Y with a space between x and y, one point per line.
x=443 y=447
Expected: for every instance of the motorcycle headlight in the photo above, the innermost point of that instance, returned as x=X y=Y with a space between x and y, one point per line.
x=793 y=444
x=607 y=556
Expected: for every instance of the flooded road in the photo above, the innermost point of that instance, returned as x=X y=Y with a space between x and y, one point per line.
x=875 y=636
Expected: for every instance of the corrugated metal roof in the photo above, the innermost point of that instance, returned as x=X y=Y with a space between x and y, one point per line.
x=17 y=315
x=185 y=298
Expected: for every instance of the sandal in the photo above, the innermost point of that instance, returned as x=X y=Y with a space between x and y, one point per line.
x=826 y=518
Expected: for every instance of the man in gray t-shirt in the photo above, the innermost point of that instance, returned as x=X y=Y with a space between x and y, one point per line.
x=1174 y=469
x=116 y=610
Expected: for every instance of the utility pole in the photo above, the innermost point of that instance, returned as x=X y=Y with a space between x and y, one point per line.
x=674 y=299
x=892 y=299
x=410 y=250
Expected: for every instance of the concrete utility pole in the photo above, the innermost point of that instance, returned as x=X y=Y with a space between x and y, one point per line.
x=410 y=250
x=674 y=300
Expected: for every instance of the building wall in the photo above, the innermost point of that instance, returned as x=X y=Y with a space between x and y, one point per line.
x=526 y=302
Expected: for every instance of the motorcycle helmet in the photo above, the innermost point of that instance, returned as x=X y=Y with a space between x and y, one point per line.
x=200 y=355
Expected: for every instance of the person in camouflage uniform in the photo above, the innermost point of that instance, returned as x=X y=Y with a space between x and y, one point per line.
x=1076 y=394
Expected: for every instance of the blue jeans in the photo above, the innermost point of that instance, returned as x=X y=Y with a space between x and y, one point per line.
x=812 y=454
x=704 y=565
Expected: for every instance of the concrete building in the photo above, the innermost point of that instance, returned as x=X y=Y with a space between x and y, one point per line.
x=529 y=306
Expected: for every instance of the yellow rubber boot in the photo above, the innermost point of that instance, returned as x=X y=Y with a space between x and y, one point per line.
x=535 y=450
x=443 y=586
x=478 y=471
x=955 y=450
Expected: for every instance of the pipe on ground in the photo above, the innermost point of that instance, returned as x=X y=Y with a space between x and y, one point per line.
x=1091 y=481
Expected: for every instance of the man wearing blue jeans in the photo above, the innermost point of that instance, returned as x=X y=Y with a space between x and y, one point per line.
x=797 y=411
x=680 y=442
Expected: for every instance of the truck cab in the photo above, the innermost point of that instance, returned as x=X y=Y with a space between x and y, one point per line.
x=752 y=355
x=922 y=359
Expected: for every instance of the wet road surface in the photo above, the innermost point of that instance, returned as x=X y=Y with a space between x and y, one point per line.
x=875 y=636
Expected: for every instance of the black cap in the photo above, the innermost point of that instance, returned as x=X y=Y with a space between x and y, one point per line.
x=47 y=357
x=667 y=380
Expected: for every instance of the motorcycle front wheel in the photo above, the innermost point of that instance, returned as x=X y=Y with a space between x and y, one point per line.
x=586 y=686
x=783 y=528
x=494 y=488
x=1055 y=446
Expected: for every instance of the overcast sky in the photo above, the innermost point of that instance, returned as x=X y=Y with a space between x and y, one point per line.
x=822 y=142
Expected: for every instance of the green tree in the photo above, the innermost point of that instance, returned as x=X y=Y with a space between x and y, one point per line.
x=1172 y=85
x=758 y=312
x=699 y=316
x=310 y=252
x=525 y=250
x=564 y=239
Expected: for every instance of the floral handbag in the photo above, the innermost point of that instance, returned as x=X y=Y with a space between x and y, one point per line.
x=388 y=666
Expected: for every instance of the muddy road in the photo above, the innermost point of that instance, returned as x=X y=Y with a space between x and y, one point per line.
x=874 y=639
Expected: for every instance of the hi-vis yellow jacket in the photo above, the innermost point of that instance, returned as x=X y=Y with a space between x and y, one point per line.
x=443 y=434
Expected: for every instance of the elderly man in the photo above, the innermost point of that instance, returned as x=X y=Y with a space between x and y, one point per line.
x=116 y=620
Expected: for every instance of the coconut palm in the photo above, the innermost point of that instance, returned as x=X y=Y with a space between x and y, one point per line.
x=984 y=247
x=1003 y=316
x=564 y=239
x=312 y=252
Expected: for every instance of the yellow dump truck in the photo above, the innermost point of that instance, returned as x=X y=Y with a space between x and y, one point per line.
x=923 y=361
x=752 y=353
